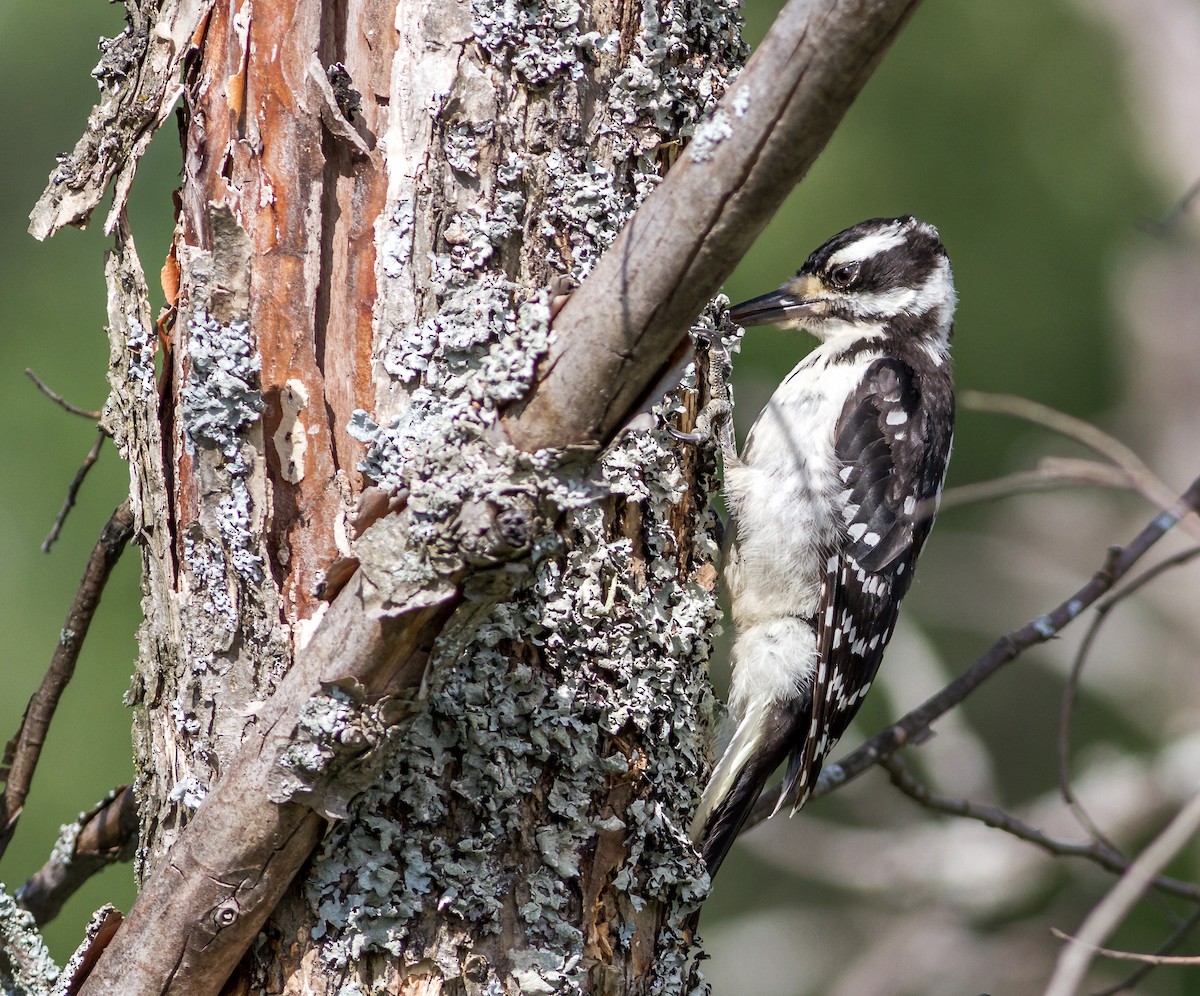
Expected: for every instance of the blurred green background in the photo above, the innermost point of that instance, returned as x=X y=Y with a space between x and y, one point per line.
x=1004 y=124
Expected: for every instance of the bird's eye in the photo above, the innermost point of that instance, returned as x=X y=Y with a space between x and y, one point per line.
x=843 y=276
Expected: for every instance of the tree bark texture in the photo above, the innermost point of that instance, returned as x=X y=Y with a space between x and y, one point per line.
x=358 y=282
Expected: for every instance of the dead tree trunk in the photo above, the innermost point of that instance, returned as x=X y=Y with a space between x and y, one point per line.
x=494 y=735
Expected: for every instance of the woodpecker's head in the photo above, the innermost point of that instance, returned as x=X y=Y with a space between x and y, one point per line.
x=886 y=276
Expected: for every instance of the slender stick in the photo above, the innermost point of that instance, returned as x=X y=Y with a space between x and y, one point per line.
x=59 y=400
x=22 y=752
x=73 y=491
x=1149 y=959
x=1177 y=937
x=992 y=816
x=1075 y=958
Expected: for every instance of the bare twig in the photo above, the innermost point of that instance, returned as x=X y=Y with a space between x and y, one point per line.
x=1051 y=473
x=1149 y=959
x=1074 y=959
x=73 y=491
x=992 y=816
x=22 y=752
x=104 y=835
x=1149 y=484
x=59 y=400
x=1071 y=689
x=915 y=726
x=1177 y=936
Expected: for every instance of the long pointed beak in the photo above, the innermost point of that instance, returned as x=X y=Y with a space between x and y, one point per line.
x=776 y=308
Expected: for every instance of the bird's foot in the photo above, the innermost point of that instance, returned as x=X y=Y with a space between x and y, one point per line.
x=561 y=288
x=714 y=421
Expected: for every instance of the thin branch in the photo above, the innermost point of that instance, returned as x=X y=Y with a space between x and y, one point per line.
x=1074 y=959
x=59 y=400
x=1149 y=484
x=915 y=726
x=1107 y=858
x=1148 y=959
x=104 y=835
x=22 y=752
x=1070 y=691
x=73 y=491
x=1177 y=937
x=1050 y=474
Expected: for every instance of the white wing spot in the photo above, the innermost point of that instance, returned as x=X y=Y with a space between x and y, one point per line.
x=897 y=417
x=872 y=539
x=857 y=530
x=910 y=505
x=845 y=472
x=849 y=512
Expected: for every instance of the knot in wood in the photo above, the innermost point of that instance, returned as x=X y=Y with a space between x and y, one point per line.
x=226 y=915
x=496 y=528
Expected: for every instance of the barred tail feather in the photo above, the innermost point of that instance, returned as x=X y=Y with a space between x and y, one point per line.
x=759 y=745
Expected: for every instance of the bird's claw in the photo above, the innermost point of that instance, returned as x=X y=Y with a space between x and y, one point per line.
x=714 y=420
x=561 y=288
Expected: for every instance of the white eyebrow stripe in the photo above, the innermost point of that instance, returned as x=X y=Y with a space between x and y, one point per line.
x=868 y=246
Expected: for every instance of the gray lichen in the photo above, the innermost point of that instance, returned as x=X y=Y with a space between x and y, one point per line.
x=501 y=733
x=85 y=951
x=221 y=400
x=26 y=968
x=563 y=704
x=340 y=742
x=222 y=396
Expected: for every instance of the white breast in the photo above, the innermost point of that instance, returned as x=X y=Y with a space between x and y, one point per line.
x=782 y=495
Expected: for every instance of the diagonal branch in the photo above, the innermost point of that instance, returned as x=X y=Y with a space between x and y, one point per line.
x=1074 y=959
x=22 y=752
x=915 y=726
x=1106 y=857
x=206 y=901
x=104 y=835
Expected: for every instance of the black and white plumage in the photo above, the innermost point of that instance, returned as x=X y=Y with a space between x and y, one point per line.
x=830 y=504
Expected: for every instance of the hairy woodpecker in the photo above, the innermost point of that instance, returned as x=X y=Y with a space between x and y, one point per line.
x=831 y=501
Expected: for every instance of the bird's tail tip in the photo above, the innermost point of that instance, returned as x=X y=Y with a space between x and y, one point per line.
x=756 y=750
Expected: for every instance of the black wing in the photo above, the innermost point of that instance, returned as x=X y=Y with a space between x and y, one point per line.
x=893 y=440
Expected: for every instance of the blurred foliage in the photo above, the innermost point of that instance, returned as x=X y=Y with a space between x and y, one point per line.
x=1001 y=123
